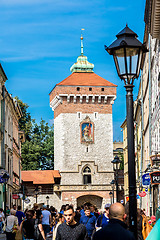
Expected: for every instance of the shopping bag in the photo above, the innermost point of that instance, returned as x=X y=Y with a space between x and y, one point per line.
x=155 y=233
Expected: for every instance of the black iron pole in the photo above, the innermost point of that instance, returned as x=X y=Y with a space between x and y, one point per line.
x=131 y=161
x=113 y=194
x=117 y=199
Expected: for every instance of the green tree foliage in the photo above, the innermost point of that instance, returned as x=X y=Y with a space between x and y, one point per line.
x=121 y=157
x=38 y=149
x=25 y=123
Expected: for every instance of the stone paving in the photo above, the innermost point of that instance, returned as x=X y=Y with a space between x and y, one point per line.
x=2 y=236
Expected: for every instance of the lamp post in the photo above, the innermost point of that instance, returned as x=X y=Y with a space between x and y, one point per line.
x=47 y=198
x=116 y=165
x=112 y=184
x=4 y=175
x=110 y=194
x=36 y=192
x=127 y=52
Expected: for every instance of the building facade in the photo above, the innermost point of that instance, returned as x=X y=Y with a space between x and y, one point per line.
x=10 y=142
x=83 y=135
x=147 y=109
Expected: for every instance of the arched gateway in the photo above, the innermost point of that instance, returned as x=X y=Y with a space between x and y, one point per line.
x=83 y=135
x=93 y=199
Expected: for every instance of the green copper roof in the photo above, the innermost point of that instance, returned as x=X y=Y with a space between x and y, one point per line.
x=82 y=65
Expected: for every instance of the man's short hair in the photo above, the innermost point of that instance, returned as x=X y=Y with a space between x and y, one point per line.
x=19 y=208
x=13 y=212
x=87 y=208
x=68 y=207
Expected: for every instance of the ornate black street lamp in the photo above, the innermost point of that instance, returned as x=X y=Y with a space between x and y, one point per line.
x=36 y=190
x=47 y=198
x=116 y=165
x=112 y=185
x=110 y=194
x=4 y=175
x=127 y=52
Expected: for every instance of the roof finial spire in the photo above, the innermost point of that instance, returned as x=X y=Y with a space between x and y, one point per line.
x=82 y=29
x=126 y=24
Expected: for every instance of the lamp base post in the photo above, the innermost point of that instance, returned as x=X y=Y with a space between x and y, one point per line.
x=131 y=161
x=117 y=197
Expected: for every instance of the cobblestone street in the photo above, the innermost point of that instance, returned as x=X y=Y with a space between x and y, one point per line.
x=3 y=236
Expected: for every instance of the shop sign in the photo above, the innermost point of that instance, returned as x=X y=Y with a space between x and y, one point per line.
x=138 y=197
x=127 y=199
x=146 y=189
x=142 y=194
x=155 y=177
x=27 y=200
x=146 y=179
x=15 y=196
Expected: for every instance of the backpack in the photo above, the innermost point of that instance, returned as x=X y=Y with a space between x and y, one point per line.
x=37 y=233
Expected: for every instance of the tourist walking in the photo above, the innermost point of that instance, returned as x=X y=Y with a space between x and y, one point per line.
x=11 y=225
x=103 y=219
x=116 y=229
x=46 y=220
x=20 y=215
x=31 y=229
x=89 y=221
x=59 y=220
x=71 y=230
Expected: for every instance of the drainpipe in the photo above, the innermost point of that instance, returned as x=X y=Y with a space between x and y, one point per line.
x=142 y=128
x=150 y=142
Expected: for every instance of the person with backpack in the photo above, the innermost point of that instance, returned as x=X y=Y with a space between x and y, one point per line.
x=103 y=219
x=31 y=229
x=89 y=221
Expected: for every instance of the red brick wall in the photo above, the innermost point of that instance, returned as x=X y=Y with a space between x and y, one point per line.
x=83 y=90
x=84 y=108
x=70 y=195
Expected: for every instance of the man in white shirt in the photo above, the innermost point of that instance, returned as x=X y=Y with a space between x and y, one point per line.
x=46 y=219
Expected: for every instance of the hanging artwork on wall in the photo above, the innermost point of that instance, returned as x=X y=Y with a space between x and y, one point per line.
x=87 y=131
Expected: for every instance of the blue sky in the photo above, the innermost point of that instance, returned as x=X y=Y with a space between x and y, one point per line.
x=40 y=40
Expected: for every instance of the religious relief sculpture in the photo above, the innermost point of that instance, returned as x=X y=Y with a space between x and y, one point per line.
x=87 y=131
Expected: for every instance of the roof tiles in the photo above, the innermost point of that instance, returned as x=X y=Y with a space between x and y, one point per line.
x=40 y=176
x=85 y=79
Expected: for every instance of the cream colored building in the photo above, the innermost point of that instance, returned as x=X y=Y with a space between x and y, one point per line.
x=125 y=154
x=10 y=141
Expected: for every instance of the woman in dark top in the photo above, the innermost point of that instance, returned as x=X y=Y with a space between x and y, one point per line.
x=28 y=225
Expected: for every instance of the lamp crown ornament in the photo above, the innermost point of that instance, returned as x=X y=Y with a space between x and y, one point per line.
x=127 y=52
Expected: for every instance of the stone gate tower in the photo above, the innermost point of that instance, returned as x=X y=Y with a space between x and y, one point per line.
x=83 y=135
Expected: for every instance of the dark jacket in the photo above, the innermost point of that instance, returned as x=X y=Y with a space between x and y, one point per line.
x=115 y=230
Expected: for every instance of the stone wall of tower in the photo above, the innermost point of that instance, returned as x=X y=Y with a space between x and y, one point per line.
x=71 y=156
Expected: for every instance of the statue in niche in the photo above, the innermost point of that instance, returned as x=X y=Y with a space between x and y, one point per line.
x=87 y=131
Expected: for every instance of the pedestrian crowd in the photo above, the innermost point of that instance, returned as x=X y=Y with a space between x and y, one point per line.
x=84 y=223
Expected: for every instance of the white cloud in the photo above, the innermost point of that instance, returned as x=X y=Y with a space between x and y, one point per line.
x=115 y=9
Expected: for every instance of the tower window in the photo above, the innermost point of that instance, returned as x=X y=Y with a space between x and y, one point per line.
x=78 y=88
x=96 y=115
x=87 y=175
x=90 y=89
x=79 y=115
x=102 y=89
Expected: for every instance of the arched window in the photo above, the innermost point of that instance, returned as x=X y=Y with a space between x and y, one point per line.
x=87 y=175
